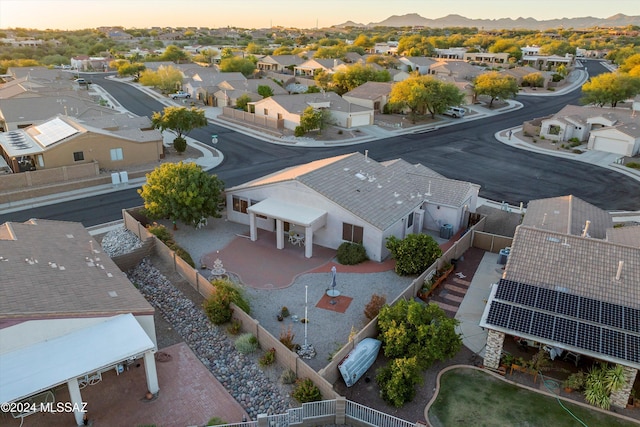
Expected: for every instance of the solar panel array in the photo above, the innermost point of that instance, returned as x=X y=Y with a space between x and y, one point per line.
x=554 y=315
x=53 y=131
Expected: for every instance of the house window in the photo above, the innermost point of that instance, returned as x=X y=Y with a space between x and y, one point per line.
x=266 y=111
x=240 y=205
x=78 y=156
x=352 y=233
x=410 y=220
x=116 y=154
x=554 y=130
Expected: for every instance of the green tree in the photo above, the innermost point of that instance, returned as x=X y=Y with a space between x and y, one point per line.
x=181 y=192
x=533 y=80
x=363 y=41
x=174 y=54
x=243 y=101
x=415 y=45
x=179 y=120
x=410 y=328
x=237 y=64
x=495 y=85
x=265 y=91
x=206 y=56
x=610 y=88
x=353 y=76
x=167 y=79
x=312 y=119
x=398 y=380
x=132 y=69
x=422 y=94
x=413 y=254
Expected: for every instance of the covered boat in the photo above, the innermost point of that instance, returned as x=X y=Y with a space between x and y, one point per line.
x=359 y=360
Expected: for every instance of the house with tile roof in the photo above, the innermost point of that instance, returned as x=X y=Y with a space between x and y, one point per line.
x=421 y=64
x=112 y=142
x=230 y=90
x=519 y=73
x=279 y=63
x=67 y=314
x=289 y=109
x=570 y=284
x=374 y=95
x=614 y=130
x=311 y=67
x=352 y=198
x=487 y=57
x=460 y=70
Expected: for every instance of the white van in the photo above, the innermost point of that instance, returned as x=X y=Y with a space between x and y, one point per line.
x=455 y=112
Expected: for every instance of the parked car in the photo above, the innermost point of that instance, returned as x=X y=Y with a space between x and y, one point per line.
x=455 y=112
x=180 y=94
x=81 y=81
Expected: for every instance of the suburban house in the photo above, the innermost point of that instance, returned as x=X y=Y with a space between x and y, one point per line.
x=373 y=95
x=203 y=83
x=421 y=64
x=289 y=108
x=311 y=67
x=230 y=90
x=531 y=56
x=113 y=142
x=91 y=63
x=279 y=63
x=460 y=70
x=614 y=130
x=570 y=286
x=519 y=73
x=352 y=198
x=450 y=53
x=67 y=315
x=486 y=57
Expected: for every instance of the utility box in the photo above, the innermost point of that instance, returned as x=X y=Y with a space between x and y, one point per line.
x=503 y=256
x=124 y=177
x=446 y=231
x=115 y=178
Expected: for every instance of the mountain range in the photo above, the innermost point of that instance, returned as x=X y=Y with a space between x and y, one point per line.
x=415 y=20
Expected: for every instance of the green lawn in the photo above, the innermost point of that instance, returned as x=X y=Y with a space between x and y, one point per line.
x=469 y=397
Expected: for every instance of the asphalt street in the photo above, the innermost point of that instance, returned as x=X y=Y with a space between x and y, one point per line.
x=467 y=151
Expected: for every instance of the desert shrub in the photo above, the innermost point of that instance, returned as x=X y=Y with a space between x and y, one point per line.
x=633 y=165
x=235 y=327
x=288 y=377
x=165 y=236
x=374 y=305
x=284 y=311
x=286 y=338
x=268 y=358
x=299 y=131
x=180 y=145
x=556 y=77
x=350 y=253
x=398 y=379
x=246 y=343
x=306 y=391
x=218 y=305
x=216 y=421
x=413 y=254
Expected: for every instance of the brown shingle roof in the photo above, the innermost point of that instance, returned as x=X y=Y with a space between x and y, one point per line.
x=63 y=282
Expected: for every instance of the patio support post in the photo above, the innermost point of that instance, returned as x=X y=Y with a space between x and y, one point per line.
x=253 y=232
x=76 y=400
x=151 y=373
x=493 y=351
x=308 y=242
x=620 y=397
x=279 y=234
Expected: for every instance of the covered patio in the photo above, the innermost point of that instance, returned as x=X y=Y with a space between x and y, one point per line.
x=306 y=217
x=77 y=359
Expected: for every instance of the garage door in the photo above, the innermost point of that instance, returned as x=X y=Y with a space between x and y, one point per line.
x=609 y=145
x=360 y=120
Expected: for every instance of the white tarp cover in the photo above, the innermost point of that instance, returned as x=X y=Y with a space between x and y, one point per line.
x=47 y=364
x=290 y=212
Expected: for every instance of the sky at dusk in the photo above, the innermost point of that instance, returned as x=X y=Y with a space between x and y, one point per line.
x=78 y=14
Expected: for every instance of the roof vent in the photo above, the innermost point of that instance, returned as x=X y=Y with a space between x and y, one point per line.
x=361 y=176
x=585 y=232
x=619 y=272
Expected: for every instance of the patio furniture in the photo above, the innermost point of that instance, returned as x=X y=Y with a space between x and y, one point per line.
x=572 y=357
x=37 y=402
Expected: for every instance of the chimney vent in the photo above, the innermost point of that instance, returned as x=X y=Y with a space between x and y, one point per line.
x=619 y=272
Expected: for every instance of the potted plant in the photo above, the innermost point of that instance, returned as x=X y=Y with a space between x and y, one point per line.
x=284 y=311
x=574 y=381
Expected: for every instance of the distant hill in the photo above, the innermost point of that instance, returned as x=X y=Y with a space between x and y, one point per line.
x=415 y=20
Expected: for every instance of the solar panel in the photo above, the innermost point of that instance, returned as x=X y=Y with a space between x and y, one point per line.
x=543 y=325
x=521 y=319
x=506 y=290
x=547 y=299
x=612 y=315
x=566 y=330
x=499 y=314
x=613 y=342
x=53 y=131
x=588 y=336
x=589 y=309
x=568 y=304
x=526 y=295
x=633 y=348
x=632 y=320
